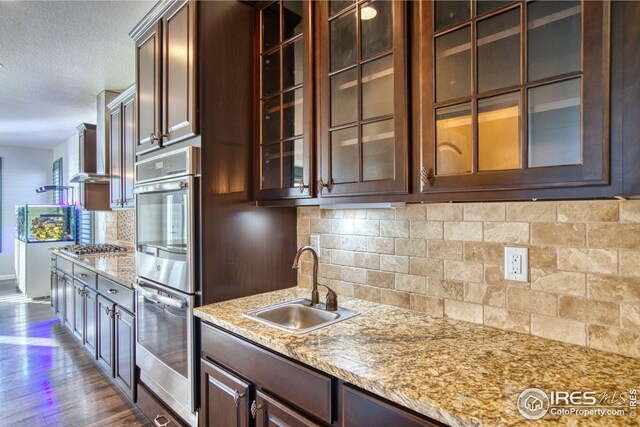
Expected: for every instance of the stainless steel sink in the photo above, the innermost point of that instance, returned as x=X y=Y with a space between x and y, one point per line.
x=298 y=316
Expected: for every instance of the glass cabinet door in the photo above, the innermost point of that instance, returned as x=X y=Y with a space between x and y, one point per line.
x=285 y=101
x=363 y=102
x=516 y=94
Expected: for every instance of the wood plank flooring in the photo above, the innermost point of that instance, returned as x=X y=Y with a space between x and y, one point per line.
x=46 y=376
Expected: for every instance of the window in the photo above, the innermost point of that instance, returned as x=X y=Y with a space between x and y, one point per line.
x=57 y=181
x=86 y=221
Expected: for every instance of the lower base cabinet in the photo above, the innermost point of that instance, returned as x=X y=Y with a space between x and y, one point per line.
x=91 y=321
x=78 y=311
x=105 y=333
x=69 y=292
x=155 y=411
x=243 y=384
x=124 y=363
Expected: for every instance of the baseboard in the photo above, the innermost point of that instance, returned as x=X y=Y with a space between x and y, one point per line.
x=8 y=277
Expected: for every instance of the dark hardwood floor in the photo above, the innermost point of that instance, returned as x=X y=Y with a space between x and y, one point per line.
x=46 y=377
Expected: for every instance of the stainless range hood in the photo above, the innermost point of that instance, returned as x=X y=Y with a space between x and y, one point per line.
x=94 y=155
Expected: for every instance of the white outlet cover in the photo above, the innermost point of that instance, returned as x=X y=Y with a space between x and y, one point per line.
x=516 y=264
x=315 y=243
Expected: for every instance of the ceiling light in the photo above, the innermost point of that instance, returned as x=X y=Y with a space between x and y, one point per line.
x=367 y=13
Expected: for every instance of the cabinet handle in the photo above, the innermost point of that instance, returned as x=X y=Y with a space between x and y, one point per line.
x=83 y=275
x=158 y=421
x=427 y=176
x=301 y=185
x=255 y=408
x=236 y=397
x=109 y=312
x=112 y=291
x=322 y=185
x=118 y=314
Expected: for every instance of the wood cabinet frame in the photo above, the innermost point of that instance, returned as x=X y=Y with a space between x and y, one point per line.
x=595 y=117
x=308 y=188
x=400 y=183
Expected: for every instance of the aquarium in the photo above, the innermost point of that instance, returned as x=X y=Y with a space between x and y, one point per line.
x=46 y=223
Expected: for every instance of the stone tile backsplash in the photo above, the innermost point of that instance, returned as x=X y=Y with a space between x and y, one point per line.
x=447 y=260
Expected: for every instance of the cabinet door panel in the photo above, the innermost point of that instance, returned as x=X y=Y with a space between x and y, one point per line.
x=225 y=398
x=60 y=306
x=105 y=334
x=69 y=292
x=54 y=292
x=148 y=84
x=128 y=150
x=359 y=409
x=91 y=321
x=124 y=366
x=362 y=84
x=178 y=94
x=78 y=303
x=271 y=413
x=115 y=145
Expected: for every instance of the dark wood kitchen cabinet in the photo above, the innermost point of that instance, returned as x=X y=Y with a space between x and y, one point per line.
x=363 y=110
x=242 y=382
x=105 y=333
x=225 y=397
x=166 y=76
x=91 y=321
x=124 y=363
x=122 y=148
x=515 y=95
x=284 y=101
x=78 y=310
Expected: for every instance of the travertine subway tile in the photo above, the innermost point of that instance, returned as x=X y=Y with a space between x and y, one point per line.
x=484 y=252
x=427 y=267
x=623 y=236
x=444 y=212
x=463 y=311
x=562 y=234
x=431 y=306
x=506 y=232
x=442 y=249
x=531 y=212
x=412 y=212
x=615 y=340
x=426 y=230
x=409 y=283
x=507 y=319
x=588 y=260
x=481 y=293
x=411 y=247
x=630 y=211
x=464 y=271
x=381 y=279
x=484 y=212
x=559 y=329
x=532 y=301
x=630 y=316
x=558 y=282
x=399 y=264
x=395 y=298
x=463 y=231
x=381 y=245
x=448 y=289
x=614 y=288
x=390 y=228
x=588 y=211
x=630 y=263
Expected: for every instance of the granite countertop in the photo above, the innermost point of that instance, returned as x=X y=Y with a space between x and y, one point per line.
x=118 y=267
x=455 y=372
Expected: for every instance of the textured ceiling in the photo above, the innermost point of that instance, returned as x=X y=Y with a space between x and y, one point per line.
x=57 y=56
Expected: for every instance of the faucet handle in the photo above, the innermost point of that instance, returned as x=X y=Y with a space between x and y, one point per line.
x=331 y=301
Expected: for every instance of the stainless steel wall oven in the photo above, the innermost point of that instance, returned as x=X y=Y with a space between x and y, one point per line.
x=166 y=208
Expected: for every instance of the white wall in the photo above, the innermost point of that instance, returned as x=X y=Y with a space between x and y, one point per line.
x=23 y=170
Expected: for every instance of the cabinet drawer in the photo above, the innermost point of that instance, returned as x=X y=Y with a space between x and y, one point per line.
x=307 y=389
x=65 y=265
x=360 y=409
x=117 y=293
x=154 y=410
x=85 y=275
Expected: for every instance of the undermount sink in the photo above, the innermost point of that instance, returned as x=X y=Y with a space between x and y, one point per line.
x=298 y=316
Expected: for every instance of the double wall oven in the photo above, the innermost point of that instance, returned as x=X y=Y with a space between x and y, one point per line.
x=166 y=196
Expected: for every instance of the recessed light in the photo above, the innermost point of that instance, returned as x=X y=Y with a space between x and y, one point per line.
x=367 y=13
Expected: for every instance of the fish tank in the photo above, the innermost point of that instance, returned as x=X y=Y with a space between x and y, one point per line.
x=46 y=223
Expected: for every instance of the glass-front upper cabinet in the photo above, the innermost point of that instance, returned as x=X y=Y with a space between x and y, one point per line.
x=363 y=105
x=284 y=100
x=515 y=94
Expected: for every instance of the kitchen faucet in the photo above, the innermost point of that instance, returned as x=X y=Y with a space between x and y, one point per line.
x=332 y=298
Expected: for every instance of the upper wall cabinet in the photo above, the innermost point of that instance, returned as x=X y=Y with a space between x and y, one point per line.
x=363 y=103
x=166 y=75
x=514 y=95
x=284 y=100
x=122 y=137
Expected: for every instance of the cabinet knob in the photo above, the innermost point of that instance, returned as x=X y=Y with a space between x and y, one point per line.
x=255 y=408
x=301 y=186
x=322 y=185
x=237 y=396
x=112 y=291
x=83 y=275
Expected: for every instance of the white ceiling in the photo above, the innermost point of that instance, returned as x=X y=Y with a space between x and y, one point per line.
x=57 y=56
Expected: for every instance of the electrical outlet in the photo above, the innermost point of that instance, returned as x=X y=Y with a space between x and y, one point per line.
x=315 y=243
x=516 y=264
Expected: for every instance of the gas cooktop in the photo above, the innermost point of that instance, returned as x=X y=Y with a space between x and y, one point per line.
x=93 y=250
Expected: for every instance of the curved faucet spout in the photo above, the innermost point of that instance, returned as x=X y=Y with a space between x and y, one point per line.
x=315 y=296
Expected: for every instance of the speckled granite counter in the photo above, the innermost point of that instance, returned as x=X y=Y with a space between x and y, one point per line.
x=455 y=372
x=120 y=268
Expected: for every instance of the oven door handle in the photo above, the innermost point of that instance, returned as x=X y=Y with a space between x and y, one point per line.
x=162 y=186
x=159 y=299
